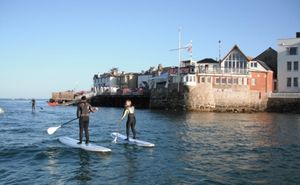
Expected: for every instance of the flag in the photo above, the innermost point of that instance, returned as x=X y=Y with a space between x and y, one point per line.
x=190 y=47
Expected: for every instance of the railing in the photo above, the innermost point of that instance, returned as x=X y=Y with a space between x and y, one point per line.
x=224 y=71
x=284 y=95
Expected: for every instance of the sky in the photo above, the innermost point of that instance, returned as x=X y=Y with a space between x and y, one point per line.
x=58 y=45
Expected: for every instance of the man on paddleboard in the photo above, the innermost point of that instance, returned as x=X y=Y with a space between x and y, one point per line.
x=129 y=110
x=33 y=105
x=83 y=113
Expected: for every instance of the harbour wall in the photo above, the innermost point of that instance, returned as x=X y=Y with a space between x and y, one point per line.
x=283 y=105
x=139 y=101
x=206 y=97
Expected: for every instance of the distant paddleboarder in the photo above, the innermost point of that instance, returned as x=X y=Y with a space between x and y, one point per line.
x=33 y=104
x=131 y=121
x=83 y=113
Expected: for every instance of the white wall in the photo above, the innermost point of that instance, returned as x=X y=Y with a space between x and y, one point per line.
x=258 y=67
x=283 y=57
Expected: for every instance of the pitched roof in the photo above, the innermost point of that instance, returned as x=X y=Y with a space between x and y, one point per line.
x=235 y=47
x=264 y=65
x=207 y=60
x=269 y=56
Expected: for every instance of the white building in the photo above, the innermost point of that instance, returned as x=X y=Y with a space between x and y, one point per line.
x=288 y=64
x=207 y=65
x=144 y=80
x=105 y=83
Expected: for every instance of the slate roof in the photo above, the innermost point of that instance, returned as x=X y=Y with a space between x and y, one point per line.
x=208 y=60
x=269 y=57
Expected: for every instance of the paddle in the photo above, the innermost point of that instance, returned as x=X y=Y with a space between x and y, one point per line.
x=52 y=130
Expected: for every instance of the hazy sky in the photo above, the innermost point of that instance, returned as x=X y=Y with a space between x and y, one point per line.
x=53 y=45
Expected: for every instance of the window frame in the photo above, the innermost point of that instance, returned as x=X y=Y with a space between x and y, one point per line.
x=296 y=62
x=295 y=79
x=289 y=65
x=288 y=82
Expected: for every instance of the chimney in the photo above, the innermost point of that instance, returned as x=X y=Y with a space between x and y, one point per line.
x=297 y=34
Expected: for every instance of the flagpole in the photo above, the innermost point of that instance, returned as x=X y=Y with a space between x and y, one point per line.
x=191 y=50
x=179 y=57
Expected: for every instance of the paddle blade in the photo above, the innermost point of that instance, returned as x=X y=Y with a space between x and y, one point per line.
x=51 y=130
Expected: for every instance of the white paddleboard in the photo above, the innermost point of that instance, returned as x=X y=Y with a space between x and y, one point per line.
x=90 y=147
x=121 y=138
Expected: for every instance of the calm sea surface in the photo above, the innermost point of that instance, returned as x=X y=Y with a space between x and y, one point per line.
x=191 y=148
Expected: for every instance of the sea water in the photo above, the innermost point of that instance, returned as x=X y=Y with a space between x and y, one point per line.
x=190 y=148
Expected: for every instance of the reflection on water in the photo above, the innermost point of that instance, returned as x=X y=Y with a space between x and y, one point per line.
x=131 y=164
x=52 y=155
x=190 y=148
x=226 y=146
x=83 y=174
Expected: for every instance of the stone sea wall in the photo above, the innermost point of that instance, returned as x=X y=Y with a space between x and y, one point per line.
x=283 y=105
x=206 y=97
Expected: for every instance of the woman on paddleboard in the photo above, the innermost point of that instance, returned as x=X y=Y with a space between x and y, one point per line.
x=129 y=110
x=83 y=113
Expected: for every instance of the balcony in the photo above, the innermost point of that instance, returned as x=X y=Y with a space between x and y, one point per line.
x=232 y=71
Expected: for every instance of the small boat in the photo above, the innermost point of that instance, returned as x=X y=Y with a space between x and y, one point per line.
x=53 y=104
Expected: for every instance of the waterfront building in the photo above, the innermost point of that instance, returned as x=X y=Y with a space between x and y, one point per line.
x=236 y=83
x=235 y=61
x=106 y=82
x=144 y=80
x=128 y=80
x=261 y=77
x=187 y=63
x=269 y=57
x=207 y=65
x=288 y=64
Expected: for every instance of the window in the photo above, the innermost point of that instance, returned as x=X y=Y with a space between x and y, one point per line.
x=229 y=65
x=198 y=79
x=289 y=66
x=223 y=80
x=226 y=64
x=215 y=67
x=208 y=80
x=186 y=79
x=217 y=80
x=203 y=79
x=229 y=80
x=251 y=64
x=253 y=81
x=255 y=64
x=295 y=82
x=292 y=51
x=235 y=81
x=296 y=66
x=288 y=82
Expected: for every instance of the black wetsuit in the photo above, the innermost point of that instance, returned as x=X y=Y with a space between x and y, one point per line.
x=83 y=113
x=33 y=104
x=130 y=124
